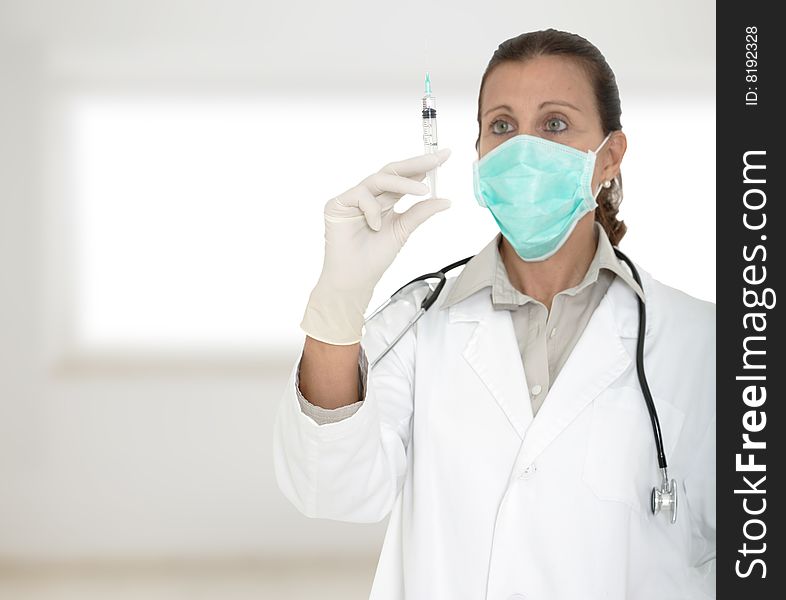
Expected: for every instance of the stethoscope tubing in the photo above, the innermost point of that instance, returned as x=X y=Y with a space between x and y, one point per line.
x=645 y=388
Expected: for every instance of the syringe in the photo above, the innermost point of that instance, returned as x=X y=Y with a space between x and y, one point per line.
x=430 y=132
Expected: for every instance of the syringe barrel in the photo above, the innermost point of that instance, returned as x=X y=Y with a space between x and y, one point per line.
x=430 y=142
x=429 y=115
x=430 y=134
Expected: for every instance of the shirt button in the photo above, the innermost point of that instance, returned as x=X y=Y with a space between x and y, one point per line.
x=536 y=389
x=553 y=332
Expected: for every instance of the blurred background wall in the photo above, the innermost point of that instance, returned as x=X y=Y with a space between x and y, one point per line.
x=163 y=166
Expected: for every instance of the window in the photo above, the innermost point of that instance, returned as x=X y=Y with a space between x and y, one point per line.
x=194 y=222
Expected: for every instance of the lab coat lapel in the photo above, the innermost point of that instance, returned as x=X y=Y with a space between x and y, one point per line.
x=596 y=361
x=493 y=354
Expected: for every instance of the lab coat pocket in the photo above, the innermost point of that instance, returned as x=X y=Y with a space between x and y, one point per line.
x=621 y=463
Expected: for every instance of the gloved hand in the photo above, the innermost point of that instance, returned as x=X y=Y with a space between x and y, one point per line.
x=363 y=234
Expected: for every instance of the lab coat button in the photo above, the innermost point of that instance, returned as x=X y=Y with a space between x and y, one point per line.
x=528 y=471
x=536 y=389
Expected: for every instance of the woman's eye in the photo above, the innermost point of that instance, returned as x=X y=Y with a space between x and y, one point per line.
x=555 y=125
x=499 y=126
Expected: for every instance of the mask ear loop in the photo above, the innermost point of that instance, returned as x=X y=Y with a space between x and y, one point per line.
x=595 y=153
x=606 y=139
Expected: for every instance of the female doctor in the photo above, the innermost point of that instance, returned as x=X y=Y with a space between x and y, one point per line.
x=506 y=433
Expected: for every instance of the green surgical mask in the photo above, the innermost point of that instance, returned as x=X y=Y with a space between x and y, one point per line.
x=536 y=190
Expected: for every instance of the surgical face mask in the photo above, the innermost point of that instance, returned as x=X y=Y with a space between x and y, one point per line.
x=536 y=190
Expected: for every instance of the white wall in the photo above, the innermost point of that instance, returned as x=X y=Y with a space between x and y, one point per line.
x=143 y=455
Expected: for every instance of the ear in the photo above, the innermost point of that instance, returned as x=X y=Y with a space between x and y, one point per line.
x=611 y=156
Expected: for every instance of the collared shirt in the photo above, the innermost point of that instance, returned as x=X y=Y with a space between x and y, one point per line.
x=545 y=338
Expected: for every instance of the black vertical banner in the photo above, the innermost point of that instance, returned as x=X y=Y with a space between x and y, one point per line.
x=750 y=265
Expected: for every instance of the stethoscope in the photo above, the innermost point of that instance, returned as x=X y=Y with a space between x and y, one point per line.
x=661 y=499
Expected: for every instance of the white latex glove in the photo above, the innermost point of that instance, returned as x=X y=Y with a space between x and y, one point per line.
x=363 y=234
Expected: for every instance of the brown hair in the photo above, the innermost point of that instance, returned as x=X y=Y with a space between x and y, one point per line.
x=607 y=97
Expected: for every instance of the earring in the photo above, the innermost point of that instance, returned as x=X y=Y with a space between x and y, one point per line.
x=607 y=184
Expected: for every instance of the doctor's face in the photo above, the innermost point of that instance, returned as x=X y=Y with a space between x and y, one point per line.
x=549 y=97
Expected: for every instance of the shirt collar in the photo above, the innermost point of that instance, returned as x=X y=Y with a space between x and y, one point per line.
x=607 y=259
x=477 y=273
x=486 y=269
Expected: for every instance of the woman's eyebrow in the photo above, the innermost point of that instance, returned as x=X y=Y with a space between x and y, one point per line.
x=505 y=106
x=542 y=104
x=561 y=103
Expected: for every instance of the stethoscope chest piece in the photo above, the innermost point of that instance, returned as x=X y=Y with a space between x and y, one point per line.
x=665 y=498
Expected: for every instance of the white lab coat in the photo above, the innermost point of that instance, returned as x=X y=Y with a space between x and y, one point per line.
x=487 y=502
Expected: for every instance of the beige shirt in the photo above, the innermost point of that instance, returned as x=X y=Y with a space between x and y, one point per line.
x=545 y=339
